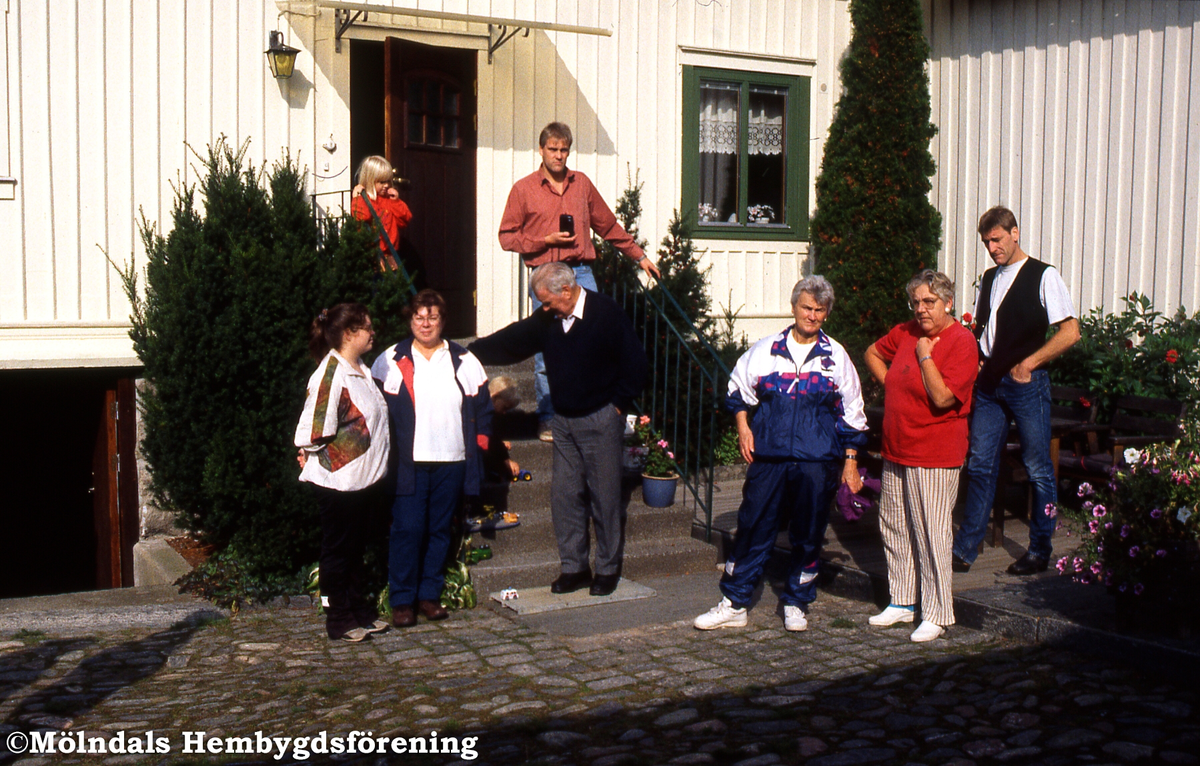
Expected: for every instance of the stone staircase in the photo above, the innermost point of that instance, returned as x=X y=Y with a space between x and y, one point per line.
x=658 y=541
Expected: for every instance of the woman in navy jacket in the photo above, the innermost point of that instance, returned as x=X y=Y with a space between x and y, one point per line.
x=441 y=418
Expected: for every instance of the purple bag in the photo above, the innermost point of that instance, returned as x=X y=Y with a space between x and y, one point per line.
x=854 y=505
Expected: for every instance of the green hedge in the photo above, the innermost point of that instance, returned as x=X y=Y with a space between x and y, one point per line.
x=222 y=330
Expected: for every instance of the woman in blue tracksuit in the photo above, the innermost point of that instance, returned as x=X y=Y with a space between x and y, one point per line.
x=808 y=426
x=441 y=418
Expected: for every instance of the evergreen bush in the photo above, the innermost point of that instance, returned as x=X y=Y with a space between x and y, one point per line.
x=874 y=225
x=222 y=331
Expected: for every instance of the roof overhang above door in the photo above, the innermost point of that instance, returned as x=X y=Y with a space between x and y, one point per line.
x=500 y=29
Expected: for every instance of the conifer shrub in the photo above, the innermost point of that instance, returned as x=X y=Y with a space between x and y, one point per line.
x=221 y=328
x=874 y=225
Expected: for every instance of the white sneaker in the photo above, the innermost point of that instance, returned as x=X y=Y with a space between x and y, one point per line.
x=723 y=615
x=794 y=619
x=892 y=615
x=926 y=631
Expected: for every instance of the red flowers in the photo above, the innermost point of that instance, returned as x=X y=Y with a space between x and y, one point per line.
x=1172 y=356
x=967 y=318
x=1128 y=343
x=1084 y=401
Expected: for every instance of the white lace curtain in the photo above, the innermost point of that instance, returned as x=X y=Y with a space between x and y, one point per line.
x=719 y=124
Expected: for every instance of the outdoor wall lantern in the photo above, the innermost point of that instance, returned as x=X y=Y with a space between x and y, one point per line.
x=281 y=57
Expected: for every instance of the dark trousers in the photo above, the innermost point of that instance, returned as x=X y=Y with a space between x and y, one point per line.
x=421 y=533
x=804 y=492
x=347 y=518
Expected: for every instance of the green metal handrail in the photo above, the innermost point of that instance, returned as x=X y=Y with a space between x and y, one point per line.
x=686 y=391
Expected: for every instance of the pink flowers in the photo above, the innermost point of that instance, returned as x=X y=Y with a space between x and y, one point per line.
x=1051 y=510
x=1134 y=551
x=1099 y=510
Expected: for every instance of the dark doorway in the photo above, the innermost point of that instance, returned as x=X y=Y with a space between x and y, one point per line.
x=430 y=125
x=70 y=511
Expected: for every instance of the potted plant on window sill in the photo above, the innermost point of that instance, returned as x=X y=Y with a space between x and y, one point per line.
x=659 y=476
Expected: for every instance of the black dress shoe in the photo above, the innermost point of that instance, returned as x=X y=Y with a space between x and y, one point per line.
x=958 y=565
x=569 y=583
x=604 y=584
x=1028 y=564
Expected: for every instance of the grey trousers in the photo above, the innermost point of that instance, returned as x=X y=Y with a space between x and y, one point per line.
x=587 y=484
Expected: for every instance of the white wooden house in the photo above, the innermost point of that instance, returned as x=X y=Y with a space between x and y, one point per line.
x=1082 y=115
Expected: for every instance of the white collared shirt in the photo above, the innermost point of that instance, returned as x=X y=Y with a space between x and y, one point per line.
x=576 y=313
x=438 y=436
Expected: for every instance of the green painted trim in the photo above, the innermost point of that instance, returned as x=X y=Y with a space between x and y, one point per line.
x=796 y=171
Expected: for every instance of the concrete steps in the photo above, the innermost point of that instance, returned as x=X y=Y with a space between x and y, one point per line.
x=658 y=541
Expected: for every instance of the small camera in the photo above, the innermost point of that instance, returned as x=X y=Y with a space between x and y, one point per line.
x=566 y=224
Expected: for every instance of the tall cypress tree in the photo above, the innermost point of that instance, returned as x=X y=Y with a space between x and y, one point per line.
x=874 y=226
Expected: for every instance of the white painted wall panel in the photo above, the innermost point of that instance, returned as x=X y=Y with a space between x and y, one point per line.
x=98 y=134
x=1082 y=116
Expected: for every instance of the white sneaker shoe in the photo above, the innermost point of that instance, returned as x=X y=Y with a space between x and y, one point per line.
x=926 y=631
x=723 y=615
x=892 y=615
x=794 y=619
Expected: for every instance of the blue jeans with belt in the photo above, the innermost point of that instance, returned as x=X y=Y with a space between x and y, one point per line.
x=541 y=386
x=1028 y=404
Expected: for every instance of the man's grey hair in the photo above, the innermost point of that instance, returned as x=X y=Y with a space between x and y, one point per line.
x=552 y=278
x=818 y=287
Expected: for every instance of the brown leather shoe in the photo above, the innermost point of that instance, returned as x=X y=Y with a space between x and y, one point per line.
x=403 y=617
x=432 y=610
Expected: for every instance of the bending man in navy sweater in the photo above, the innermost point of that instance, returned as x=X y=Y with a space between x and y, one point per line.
x=596 y=368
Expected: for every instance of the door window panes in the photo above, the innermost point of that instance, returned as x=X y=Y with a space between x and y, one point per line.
x=433 y=112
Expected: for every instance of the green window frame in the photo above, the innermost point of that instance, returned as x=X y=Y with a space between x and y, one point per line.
x=763 y=180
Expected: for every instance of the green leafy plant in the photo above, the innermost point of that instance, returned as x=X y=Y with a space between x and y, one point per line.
x=874 y=225
x=1136 y=351
x=1139 y=531
x=221 y=328
x=728 y=452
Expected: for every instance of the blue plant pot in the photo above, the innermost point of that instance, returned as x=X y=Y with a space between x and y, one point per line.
x=658 y=492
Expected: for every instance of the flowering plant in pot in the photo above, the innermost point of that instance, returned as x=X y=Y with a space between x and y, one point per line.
x=660 y=460
x=1140 y=531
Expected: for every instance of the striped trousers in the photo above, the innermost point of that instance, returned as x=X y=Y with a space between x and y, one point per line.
x=915 y=509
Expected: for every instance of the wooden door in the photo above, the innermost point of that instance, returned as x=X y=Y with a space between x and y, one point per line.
x=114 y=487
x=430 y=127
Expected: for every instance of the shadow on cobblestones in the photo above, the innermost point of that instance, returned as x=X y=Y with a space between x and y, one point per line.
x=60 y=695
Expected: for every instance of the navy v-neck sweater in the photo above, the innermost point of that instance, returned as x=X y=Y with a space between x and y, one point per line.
x=598 y=363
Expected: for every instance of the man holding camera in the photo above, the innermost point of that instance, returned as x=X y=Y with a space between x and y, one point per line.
x=546 y=220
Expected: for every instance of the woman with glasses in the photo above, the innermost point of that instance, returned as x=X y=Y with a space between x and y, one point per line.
x=441 y=416
x=375 y=181
x=927 y=367
x=344 y=442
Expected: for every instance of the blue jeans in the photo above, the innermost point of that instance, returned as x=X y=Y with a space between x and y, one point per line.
x=420 y=536
x=1028 y=404
x=541 y=386
x=801 y=490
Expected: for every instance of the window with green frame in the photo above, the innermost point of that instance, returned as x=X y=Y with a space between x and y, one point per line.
x=745 y=153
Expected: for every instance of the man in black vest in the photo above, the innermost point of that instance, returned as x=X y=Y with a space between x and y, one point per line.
x=1018 y=301
x=596 y=367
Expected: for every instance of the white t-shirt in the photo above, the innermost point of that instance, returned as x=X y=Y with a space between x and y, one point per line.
x=798 y=350
x=1052 y=292
x=438 y=431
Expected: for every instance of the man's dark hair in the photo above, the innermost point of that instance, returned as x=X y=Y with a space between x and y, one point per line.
x=557 y=130
x=997 y=216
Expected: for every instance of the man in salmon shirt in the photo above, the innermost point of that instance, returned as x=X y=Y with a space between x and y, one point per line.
x=532 y=226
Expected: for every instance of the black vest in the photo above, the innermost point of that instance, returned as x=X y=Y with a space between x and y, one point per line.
x=1022 y=322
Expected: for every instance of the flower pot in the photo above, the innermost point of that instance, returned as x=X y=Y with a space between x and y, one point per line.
x=659 y=492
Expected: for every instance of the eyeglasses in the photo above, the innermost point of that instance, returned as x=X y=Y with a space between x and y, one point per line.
x=427 y=319
x=926 y=302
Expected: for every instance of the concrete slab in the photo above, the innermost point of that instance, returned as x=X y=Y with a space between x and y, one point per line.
x=538 y=600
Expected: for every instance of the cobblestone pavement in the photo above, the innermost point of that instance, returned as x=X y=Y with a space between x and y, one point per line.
x=840 y=693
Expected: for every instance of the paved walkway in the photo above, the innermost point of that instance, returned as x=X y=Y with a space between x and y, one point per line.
x=626 y=683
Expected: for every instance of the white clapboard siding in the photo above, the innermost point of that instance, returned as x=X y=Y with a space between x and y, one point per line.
x=1082 y=116
x=110 y=107
x=622 y=96
x=106 y=106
